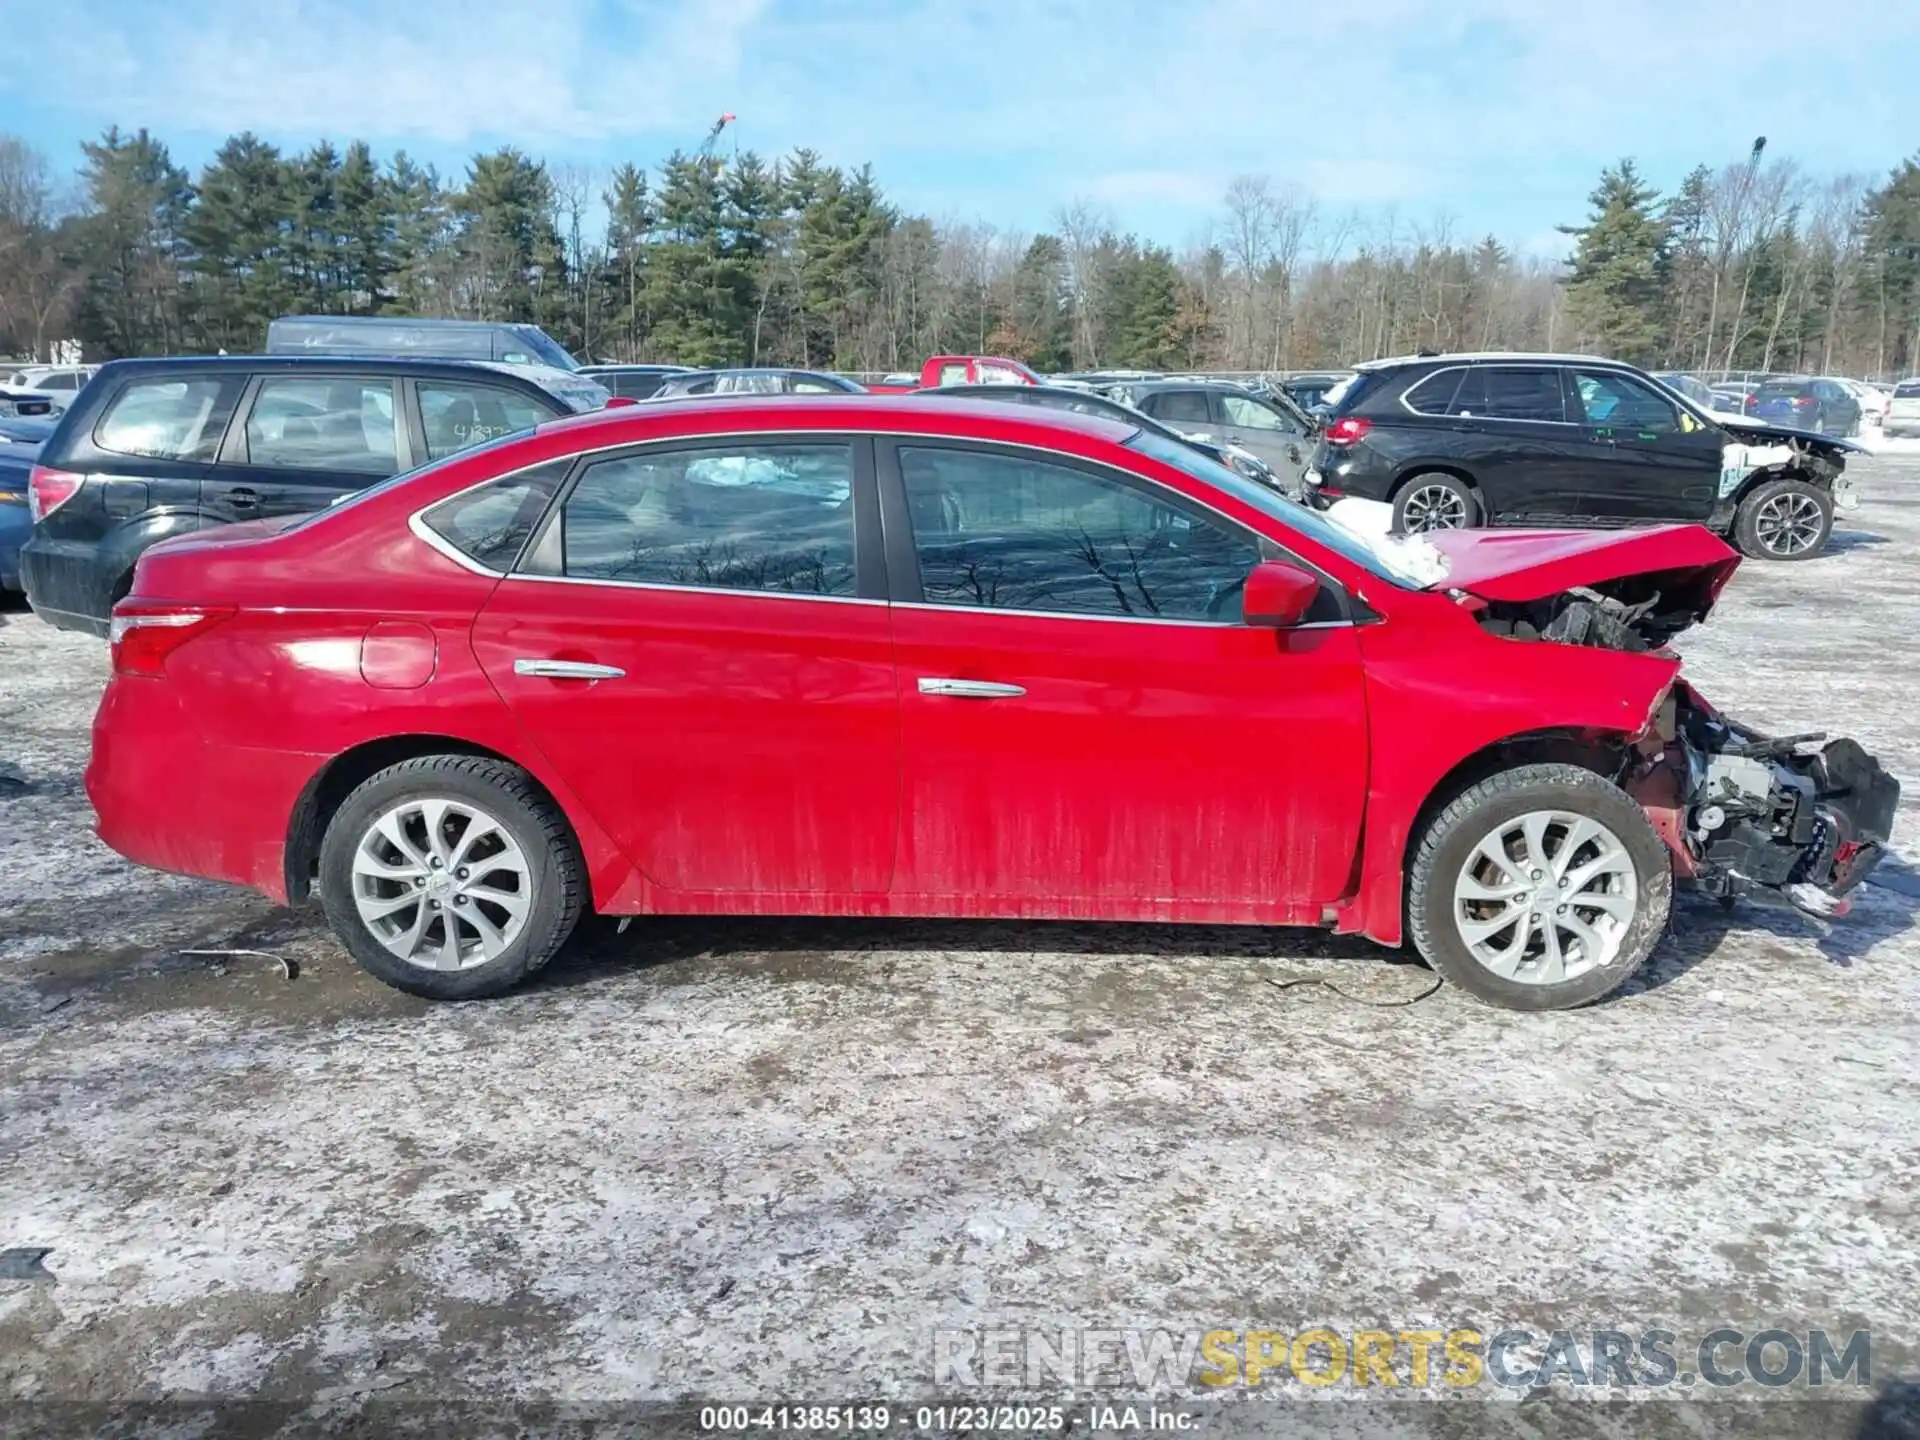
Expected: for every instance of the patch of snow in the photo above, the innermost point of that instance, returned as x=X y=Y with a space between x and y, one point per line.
x=1411 y=558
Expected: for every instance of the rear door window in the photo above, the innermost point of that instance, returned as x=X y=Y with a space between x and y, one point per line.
x=1178 y=407
x=331 y=423
x=169 y=417
x=758 y=517
x=456 y=414
x=1525 y=394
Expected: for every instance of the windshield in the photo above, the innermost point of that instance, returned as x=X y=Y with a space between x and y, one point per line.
x=550 y=351
x=1292 y=514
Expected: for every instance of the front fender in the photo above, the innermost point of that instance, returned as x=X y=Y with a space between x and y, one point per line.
x=1441 y=693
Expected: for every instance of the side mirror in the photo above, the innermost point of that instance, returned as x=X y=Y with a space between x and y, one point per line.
x=1277 y=594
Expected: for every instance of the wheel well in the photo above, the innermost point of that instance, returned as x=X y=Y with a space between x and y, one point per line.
x=1414 y=472
x=342 y=775
x=1766 y=477
x=1604 y=754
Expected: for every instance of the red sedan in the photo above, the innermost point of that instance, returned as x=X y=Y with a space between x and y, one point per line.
x=867 y=656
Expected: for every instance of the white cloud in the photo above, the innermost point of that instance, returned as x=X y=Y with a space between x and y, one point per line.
x=533 y=72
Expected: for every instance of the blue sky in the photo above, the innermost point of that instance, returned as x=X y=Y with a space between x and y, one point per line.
x=1495 y=114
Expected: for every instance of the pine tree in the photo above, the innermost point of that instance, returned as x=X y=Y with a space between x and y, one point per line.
x=1619 y=269
x=240 y=232
x=130 y=243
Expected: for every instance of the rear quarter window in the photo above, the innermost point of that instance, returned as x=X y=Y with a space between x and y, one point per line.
x=491 y=523
x=1434 y=395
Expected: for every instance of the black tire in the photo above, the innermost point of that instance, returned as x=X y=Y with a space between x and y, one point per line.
x=1443 y=851
x=1757 y=526
x=512 y=801
x=1424 y=485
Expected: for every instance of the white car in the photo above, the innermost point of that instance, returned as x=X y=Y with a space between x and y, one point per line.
x=1873 y=400
x=60 y=383
x=1903 y=410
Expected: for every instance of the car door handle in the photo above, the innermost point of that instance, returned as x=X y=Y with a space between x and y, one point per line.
x=241 y=498
x=970 y=689
x=566 y=670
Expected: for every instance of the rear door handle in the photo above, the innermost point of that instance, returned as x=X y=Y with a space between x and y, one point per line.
x=242 y=498
x=970 y=689
x=566 y=670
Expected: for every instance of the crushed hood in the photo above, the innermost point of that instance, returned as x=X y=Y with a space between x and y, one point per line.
x=1522 y=565
x=1761 y=432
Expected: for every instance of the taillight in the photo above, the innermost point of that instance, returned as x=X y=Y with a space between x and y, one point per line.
x=48 y=490
x=142 y=638
x=1803 y=402
x=1347 y=430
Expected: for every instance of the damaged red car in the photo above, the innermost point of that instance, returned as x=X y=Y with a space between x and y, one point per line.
x=868 y=657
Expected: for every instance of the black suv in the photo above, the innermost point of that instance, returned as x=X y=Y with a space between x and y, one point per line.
x=1453 y=440
x=156 y=448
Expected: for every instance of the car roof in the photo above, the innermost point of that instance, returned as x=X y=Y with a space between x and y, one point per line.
x=1155 y=387
x=1491 y=357
x=638 y=368
x=422 y=322
x=539 y=375
x=722 y=413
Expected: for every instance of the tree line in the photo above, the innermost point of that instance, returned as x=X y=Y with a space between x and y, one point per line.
x=712 y=259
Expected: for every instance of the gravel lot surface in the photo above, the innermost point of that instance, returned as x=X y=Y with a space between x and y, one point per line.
x=769 y=1159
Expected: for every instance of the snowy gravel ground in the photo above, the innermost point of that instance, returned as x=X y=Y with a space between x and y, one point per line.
x=768 y=1159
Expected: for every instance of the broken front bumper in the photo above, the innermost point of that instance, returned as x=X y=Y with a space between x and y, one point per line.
x=1801 y=816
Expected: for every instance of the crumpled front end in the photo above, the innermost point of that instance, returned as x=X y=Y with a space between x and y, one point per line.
x=1800 y=816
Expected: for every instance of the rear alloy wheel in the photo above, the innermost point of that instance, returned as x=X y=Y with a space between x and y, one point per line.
x=1539 y=889
x=1434 y=502
x=1784 y=520
x=450 y=876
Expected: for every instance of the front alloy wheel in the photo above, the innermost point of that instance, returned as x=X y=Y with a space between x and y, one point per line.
x=1788 y=525
x=1784 y=519
x=1539 y=888
x=1545 y=897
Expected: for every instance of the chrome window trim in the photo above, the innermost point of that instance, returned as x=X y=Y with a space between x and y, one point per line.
x=417 y=523
x=518 y=577
x=1116 y=619
x=1496 y=419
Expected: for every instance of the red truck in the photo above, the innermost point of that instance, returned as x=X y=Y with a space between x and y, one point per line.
x=959 y=370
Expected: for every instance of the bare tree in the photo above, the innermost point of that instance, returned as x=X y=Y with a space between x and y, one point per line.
x=1082 y=226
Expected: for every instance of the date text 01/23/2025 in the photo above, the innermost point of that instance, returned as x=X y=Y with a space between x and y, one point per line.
x=941 y=1419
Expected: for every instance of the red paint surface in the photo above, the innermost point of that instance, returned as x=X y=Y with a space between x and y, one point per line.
x=770 y=754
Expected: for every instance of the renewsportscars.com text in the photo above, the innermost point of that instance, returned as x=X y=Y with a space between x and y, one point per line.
x=1459 y=1358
